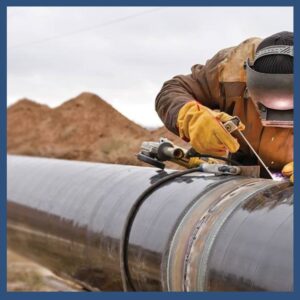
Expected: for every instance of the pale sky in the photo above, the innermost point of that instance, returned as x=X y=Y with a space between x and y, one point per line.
x=123 y=54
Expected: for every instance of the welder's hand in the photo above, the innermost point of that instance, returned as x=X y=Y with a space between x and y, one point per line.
x=202 y=127
x=288 y=171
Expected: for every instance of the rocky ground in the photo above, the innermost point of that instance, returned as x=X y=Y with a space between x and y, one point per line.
x=25 y=275
x=83 y=128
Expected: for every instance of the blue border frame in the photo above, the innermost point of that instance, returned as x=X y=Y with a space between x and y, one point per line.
x=3 y=94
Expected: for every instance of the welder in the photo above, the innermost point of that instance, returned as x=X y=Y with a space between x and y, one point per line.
x=253 y=81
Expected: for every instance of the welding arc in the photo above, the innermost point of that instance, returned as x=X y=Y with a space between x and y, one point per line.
x=208 y=219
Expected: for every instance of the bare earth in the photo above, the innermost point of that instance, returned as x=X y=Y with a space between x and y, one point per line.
x=83 y=128
x=25 y=275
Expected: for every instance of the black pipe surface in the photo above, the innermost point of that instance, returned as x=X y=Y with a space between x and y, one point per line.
x=194 y=232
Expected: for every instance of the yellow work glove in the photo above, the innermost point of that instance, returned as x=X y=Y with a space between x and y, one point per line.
x=202 y=127
x=288 y=171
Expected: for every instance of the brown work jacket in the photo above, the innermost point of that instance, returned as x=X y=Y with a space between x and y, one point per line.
x=220 y=84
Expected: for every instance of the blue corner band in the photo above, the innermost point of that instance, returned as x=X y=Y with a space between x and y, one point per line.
x=149 y=295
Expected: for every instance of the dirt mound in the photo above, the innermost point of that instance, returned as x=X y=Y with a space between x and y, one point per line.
x=83 y=128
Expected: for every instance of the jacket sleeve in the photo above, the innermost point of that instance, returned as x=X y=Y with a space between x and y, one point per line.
x=201 y=85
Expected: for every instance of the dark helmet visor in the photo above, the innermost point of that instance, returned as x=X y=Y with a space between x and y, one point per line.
x=273 y=96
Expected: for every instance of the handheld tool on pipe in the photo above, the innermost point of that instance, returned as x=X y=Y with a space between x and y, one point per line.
x=156 y=153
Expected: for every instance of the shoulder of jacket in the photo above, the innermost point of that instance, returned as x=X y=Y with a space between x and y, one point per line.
x=231 y=68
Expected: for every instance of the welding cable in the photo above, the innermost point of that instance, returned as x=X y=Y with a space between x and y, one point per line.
x=193 y=153
x=125 y=274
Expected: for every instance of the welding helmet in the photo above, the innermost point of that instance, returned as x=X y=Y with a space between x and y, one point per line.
x=271 y=93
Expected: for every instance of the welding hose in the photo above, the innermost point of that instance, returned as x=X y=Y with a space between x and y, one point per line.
x=193 y=153
x=125 y=274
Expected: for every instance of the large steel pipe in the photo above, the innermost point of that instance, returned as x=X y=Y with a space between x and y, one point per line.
x=194 y=232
